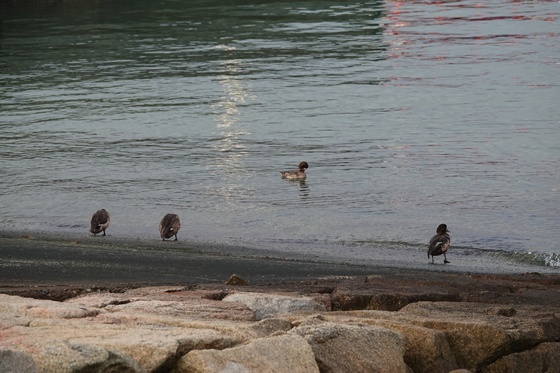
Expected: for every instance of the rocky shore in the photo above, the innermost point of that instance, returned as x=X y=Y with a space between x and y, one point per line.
x=409 y=321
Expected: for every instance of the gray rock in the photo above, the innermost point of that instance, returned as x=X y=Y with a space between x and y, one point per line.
x=52 y=355
x=16 y=362
x=267 y=305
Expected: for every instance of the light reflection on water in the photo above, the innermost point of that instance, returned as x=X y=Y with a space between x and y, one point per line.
x=410 y=114
x=229 y=163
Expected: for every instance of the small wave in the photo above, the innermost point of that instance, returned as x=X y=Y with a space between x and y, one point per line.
x=539 y=259
x=552 y=260
x=519 y=257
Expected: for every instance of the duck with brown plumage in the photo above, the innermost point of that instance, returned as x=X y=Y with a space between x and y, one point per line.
x=169 y=226
x=100 y=222
x=296 y=174
x=439 y=243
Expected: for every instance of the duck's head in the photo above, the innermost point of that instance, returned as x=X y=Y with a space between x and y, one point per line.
x=441 y=229
x=303 y=166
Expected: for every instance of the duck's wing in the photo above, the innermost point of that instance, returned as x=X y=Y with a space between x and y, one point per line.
x=438 y=244
x=176 y=224
x=99 y=218
x=295 y=174
x=288 y=173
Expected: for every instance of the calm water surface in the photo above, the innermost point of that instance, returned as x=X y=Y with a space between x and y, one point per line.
x=409 y=114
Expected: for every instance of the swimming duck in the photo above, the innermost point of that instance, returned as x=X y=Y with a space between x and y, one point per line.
x=100 y=222
x=439 y=243
x=296 y=174
x=169 y=226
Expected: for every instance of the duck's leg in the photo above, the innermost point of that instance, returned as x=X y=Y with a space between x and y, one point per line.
x=445 y=259
x=104 y=233
x=175 y=237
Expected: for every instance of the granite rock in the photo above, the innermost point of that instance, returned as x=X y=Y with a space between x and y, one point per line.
x=184 y=328
x=280 y=354
x=16 y=362
x=267 y=305
x=354 y=348
x=44 y=308
x=545 y=358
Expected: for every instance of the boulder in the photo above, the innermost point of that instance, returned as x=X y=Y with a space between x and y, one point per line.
x=241 y=331
x=235 y=280
x=16 y=362
x=545 y=358
x=86 y=344
x=427 y=350
x=44 y=308
x=478 y=334
x=169 y=301
x=386 y=298
x=354 y=348
x=100 y=300
x=266 y=327
x=270 y=304
x=280 y=354
x=202 y=308
x=52 y=355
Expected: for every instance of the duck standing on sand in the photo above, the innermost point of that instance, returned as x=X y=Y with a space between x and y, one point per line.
x=169 y=226
x=439 y=243
x=100 y=222
x=296 y=174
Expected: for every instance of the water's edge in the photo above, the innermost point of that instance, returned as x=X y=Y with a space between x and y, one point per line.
x=374 y=254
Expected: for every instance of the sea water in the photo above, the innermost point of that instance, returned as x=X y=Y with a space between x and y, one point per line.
x=410 y=114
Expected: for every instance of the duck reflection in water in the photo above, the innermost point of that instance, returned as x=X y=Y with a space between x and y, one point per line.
x=303 y=189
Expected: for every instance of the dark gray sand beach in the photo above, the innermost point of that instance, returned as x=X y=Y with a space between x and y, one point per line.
x=57 y=260
x=95 y=261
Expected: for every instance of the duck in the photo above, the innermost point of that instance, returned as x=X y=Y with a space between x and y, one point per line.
x=439 y=243
x=100 y=222
x=169 y=226
x=296 y=174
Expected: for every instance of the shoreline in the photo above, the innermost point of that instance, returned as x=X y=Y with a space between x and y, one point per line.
x=44 y=258
x=85 y=261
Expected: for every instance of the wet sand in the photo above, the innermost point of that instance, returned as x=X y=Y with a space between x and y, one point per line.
x=98 y=262
x=89 y=261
